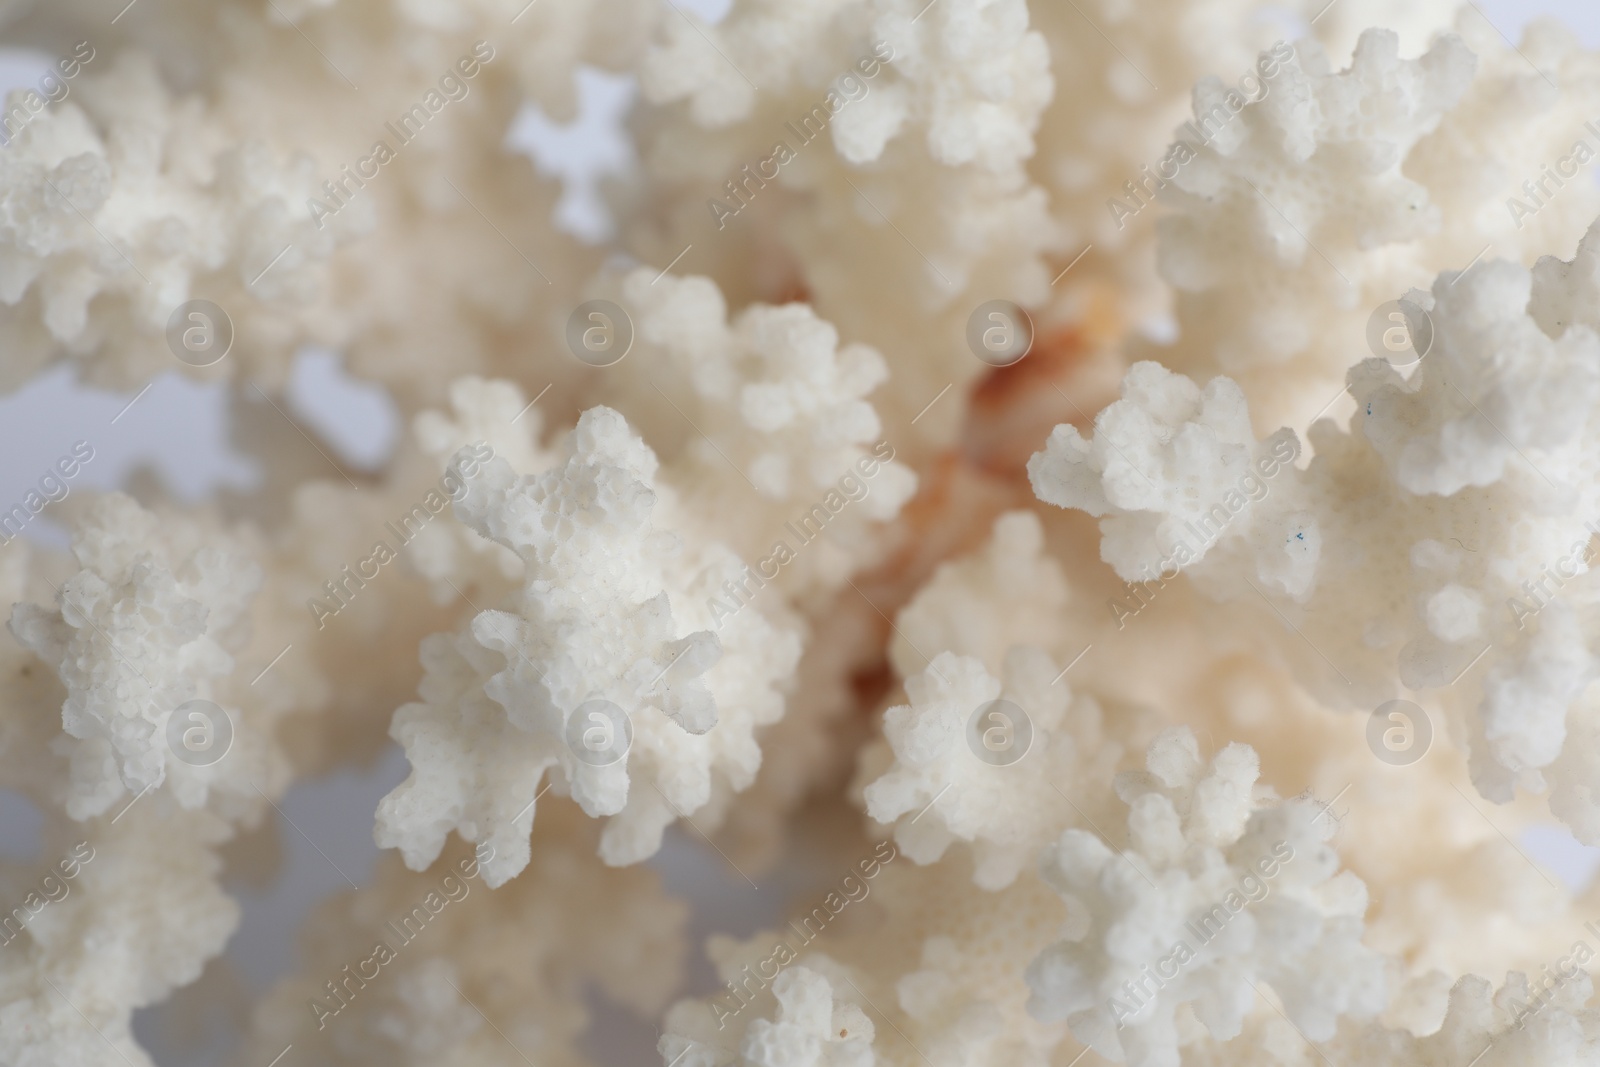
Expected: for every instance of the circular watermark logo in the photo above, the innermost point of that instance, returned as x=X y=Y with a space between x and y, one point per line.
x=199 y=733
x=999 y=733
x=1401 y=332
x=999 y=332
x=599 y=733
x=599 y=333
x=199 y=333
x=1399 y=732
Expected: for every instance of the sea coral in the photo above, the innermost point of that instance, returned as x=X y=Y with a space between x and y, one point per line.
x=1032 y=533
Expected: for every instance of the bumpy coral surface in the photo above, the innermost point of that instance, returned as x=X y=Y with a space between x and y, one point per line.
x=1030 y=534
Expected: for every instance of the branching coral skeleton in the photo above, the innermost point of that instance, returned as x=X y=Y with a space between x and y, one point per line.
x=1166 y=697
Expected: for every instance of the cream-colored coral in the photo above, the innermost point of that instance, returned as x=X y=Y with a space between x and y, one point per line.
x=1476 y=468
x=138 y=633
x=455 y=978
x=1210 y=734
x=908 y=129
x=1175 y=919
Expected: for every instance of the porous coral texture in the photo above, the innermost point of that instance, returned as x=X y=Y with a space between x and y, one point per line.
x=1012 y=534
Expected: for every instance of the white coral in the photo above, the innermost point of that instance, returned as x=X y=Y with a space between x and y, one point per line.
x=775 y=575
x=1009 y=593
x=772 y=394
x=1455 y=496
x=987 y=763
x=1174 y=918
x=1162 y=459
x=139 y=632
x=921 y=175
x=1303 y=211
x=598 y=620
x=458 y=980
x=132 y=199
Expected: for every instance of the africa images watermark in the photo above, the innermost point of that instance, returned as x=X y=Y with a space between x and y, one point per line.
x=1252 y=487
x=1543 y=589
x=1252 y=888
x=847 y=89
x=849 y=489
x=1538 y=189
x=452 y=87
x=54 y=485
x=53 y=89
x=342 y=991
x=1567 y=968
x=1200 y=132
x=452 y=486
x=52 y=889
x=852 y=889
